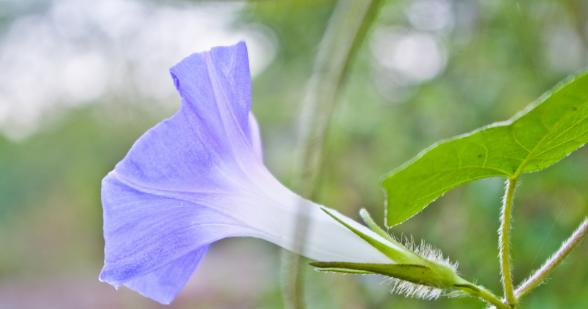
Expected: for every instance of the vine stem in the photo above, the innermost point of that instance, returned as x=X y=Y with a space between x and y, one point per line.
x=483 y=294
x=504 y=242
x=492 y=299
x=541 y=274
x=345 y=31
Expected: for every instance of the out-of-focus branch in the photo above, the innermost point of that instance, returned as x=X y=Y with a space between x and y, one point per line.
x=345 y=32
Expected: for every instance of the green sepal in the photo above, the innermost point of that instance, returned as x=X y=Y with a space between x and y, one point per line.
x=343 y=270
x=400 y=255
x=438 y=276
x=367 y=219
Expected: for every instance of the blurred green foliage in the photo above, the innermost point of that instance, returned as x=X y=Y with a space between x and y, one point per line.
x=497 y=58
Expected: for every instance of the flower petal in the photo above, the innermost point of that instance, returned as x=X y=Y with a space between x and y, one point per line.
x=209 y=134
x=255 y=136
x=198 y=177
x=154 y=239
x=159 y=203
x=165 y=283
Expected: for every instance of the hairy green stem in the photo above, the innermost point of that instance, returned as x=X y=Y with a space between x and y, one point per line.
x=504 y=242
x=541 y=274
x=491 y=298
x=345 y=32
x=483 y=294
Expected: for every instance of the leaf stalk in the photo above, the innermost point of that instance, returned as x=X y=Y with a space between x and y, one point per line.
x=504 y=242
x=482 y=293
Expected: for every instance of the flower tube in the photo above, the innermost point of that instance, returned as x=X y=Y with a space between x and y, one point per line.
x=198 y=177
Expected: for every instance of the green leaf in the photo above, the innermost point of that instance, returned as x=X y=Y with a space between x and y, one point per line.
x=544 y=133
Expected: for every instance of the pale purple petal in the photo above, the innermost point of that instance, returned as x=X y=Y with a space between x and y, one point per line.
x=255 y=136
x=164 y=283
x=145 y=230
x=159 y=202
x=209 y=134
x=198 y=177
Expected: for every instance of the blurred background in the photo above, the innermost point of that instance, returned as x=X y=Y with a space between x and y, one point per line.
x=81 y=80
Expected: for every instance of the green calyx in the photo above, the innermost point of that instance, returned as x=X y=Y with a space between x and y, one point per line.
x=387 y=245
x=434 y=275
x=405 y=264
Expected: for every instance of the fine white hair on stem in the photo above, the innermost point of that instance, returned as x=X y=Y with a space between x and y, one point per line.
x=414 y=290
x=427 y=251
x=540 y=275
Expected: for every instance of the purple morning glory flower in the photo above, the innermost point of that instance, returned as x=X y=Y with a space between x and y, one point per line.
x=198 y=177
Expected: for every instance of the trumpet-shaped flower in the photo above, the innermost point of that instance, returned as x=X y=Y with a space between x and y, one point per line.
x=198 y=177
